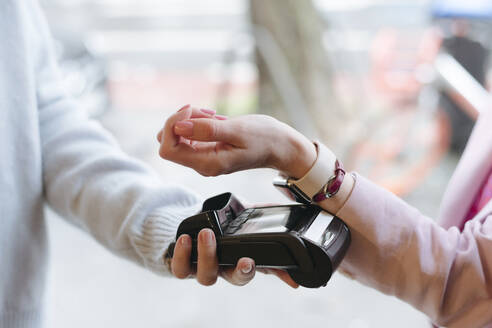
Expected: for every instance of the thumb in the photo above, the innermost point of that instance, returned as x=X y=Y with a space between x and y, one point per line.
x=205 y=129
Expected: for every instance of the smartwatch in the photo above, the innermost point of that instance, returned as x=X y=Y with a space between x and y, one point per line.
x=322 y=181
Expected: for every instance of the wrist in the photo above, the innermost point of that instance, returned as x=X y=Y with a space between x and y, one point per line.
x=297 y=158
x=322 y=181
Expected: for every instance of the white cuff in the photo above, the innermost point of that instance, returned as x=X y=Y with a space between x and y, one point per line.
x=152 y=237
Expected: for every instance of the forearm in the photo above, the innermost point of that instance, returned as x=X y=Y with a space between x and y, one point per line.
x=397 y=250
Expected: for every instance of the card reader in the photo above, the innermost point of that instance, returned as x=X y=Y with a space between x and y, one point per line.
x=304 y=240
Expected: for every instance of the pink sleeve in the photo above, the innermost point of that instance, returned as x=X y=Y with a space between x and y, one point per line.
x=400 y=252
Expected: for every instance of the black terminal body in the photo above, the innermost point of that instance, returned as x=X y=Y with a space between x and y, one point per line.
x=302 y=239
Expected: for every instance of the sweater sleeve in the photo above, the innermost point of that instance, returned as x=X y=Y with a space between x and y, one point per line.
x=397 y=250
x=89 y=181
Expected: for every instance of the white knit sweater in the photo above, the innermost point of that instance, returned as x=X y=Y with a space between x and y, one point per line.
x=49 y=152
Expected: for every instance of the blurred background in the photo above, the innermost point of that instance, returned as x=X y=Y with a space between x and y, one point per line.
x=394 y=87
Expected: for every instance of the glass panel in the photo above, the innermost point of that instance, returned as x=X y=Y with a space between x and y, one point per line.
x=316 y=231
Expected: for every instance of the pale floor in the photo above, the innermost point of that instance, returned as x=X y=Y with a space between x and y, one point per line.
x=89 y=287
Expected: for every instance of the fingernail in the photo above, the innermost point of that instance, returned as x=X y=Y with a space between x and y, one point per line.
x=184 y=128
x=208 y=111
x=209 y=237
x=185 y=241
x=183 y=108
x=221 y=117
x=247 y=269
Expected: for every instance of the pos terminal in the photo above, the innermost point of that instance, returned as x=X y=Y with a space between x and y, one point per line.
x=302 y=239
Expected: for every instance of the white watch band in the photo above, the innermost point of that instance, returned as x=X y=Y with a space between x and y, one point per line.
x=322 y=171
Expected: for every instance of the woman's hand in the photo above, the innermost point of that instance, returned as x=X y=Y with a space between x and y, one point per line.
x=215 y=145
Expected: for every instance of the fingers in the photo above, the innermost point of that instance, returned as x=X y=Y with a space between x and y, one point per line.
x=180 y=265
x=195 y=113
x=283 y=275
x=202 y=158
x=202 y=129
x=170 y=138
x=159 y=135
x=208 y=265
x=242 y=274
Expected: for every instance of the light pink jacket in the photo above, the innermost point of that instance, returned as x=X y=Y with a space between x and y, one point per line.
x=436 y=268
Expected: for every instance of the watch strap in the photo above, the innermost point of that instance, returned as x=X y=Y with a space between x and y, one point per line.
x=323 y=170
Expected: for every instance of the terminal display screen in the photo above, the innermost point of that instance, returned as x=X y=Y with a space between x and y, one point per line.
x=282 y=219
x=262 y=220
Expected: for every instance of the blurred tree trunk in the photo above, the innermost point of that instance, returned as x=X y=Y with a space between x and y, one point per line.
x=297 y=30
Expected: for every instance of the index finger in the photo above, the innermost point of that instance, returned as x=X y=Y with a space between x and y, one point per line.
x=208 y=263
x=213 y=130
x=196 y=113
